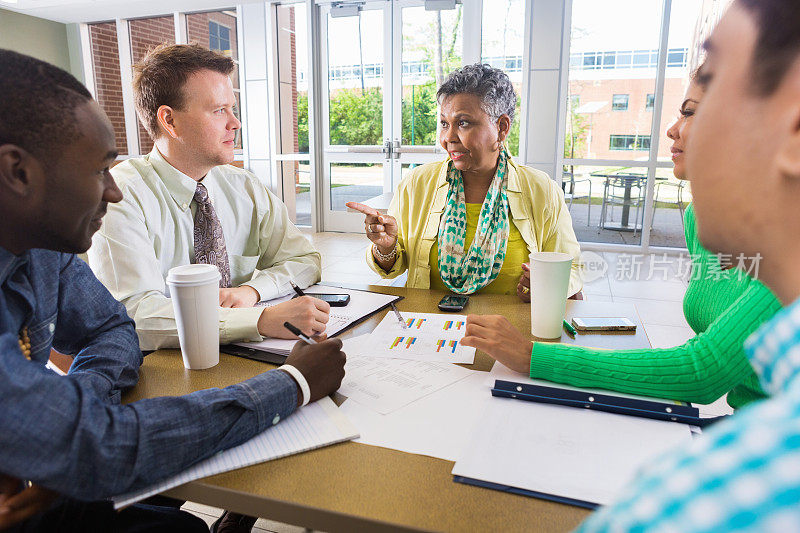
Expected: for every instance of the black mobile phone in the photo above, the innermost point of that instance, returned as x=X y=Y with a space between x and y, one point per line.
x=453 y=302
x=334 y=300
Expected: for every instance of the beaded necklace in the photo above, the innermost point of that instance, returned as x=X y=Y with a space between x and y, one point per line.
x=25 y=343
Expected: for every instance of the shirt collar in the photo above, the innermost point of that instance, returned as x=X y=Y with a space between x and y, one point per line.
x=180 y=186
x=10 y=262
x=774 y=349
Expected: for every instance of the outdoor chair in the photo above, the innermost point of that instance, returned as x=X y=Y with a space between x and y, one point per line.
x=568 y=182
x=679 y=199
x=625 y=190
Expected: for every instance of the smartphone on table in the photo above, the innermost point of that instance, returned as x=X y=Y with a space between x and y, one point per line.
x=334 y=300
x=603 y=324
x=453 y=303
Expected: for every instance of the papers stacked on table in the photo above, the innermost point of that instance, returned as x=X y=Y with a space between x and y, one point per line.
x=428 y=337
x=385 y=385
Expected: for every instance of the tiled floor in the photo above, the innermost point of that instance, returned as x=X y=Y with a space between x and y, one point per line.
x=653 y=284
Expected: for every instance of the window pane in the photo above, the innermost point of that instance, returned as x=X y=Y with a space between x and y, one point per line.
x=293 y=82
x=296 y=179
x=672 y=195
x=612 y=97
x=355 y=102
x=107 y=81
x=146 y=34
x=621 y=189
x=620 y=102
x=427 y=36
x=355 y=182
x=651 y=99
x=502 y=37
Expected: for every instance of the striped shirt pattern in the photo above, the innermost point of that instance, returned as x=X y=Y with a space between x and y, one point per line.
x=744 y=473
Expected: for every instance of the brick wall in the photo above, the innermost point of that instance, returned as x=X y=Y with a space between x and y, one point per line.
x=636 y=120
x=197 y=32
x=146 y=34
x=107 y=81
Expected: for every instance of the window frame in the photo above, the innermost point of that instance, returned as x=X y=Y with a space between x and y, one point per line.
x=616 y=106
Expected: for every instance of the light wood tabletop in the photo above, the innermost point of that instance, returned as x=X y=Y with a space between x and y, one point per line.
x=356 y=487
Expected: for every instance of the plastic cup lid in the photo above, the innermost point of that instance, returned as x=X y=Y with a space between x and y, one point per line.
x=193 y=274
x=551 y=257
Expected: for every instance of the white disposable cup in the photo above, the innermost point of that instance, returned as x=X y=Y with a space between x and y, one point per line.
x=549 y=284
x=194 y=290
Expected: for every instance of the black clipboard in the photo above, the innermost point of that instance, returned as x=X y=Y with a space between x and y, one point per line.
x=278 y=359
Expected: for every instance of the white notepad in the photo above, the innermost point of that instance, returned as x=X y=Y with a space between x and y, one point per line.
x=570 y=453
x=313 y=426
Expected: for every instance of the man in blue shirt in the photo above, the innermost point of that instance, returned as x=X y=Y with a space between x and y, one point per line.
x=744 y=161
x=70 y=435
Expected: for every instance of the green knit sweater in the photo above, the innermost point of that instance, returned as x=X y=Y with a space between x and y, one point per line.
x=722 y=306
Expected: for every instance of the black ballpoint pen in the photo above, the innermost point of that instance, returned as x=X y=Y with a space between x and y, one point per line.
x=300 y=334
x=296 y=289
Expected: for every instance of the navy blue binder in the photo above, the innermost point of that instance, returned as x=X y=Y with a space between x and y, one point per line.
x=682 y=413
x=523 y=492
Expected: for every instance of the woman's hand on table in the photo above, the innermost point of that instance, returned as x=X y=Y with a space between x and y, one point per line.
x=524 y=284
x=380 y=229
x=495 y=335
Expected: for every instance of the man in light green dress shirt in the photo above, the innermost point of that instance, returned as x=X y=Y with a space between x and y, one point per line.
x=184 y=98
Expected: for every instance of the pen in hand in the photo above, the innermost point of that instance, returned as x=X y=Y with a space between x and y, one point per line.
x=296 y=288
x=299 y=333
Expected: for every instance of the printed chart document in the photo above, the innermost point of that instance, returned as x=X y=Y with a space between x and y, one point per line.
x=563 y=452
x=437 y=425
x=385 y=385
x=428 y=337
x=362 y=304
x=313 y=426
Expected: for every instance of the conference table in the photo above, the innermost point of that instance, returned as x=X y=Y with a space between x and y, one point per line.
x=357 y=487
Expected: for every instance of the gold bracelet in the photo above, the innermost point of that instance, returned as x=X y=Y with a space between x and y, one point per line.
x=384 y=257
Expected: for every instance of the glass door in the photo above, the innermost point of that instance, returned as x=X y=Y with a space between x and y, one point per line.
x=384 y=64
x=356 y=111
x=430 y=45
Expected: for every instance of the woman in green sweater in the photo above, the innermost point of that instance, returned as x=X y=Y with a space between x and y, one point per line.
x=722 y=305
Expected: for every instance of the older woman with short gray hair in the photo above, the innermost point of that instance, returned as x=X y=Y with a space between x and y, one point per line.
x=468 y=224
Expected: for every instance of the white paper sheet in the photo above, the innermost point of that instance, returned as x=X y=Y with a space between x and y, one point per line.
x=437 y=425
x=429 y=337
x=362 y=303
x=564 y=451
x=385 y=385
x=313 y=426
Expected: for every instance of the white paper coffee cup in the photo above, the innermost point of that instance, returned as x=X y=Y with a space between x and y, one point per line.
x=549 y=285
x=194 y=290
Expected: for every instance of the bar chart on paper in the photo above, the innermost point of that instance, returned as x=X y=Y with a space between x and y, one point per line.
x=426 y=337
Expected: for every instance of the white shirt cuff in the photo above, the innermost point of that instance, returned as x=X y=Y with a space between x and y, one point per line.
x=301 y=381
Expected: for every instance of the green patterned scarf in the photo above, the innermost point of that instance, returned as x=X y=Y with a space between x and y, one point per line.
x=465 y=272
